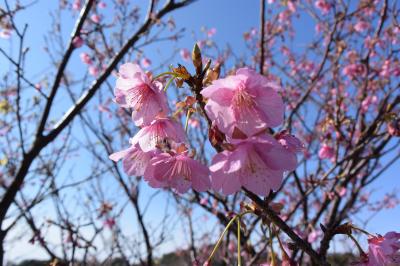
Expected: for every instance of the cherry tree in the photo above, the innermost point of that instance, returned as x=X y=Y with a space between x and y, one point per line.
x=279 y=147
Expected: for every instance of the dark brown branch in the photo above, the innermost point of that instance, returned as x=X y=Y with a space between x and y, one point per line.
x=262 y=35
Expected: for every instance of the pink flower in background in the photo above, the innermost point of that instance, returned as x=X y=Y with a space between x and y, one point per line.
x=135 y=90
x=109 y=222
x=94 y=71
x=291 y=6
x=134 y=160
x=102 y=5
x=383 y=250
x=361 y=26
x=211 y=32
x=367 y=102
x=157 y=133
x=185 y=54
x=76 y=5
x=5 y=34
x=284 y=17
x=85 y=58
x=232 y=247
x=77 y=41
x=194 y=123
x=203 y=201
x=95 y=18
x=355 y=70
x=326 y=152
x=385 y=70
x=145 y=62
x=314 y=236
x=177 y=171
x=393 y=128
x=257 y=164
x=246 y=101
x=290 y=142
x=319 y=27
x=323 y=5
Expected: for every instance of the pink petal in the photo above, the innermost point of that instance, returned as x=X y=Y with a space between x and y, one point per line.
x=136 y=161
x=200 y=176
x=271 y=106
x=130 y=70
x=116 y=156
x=229 y=184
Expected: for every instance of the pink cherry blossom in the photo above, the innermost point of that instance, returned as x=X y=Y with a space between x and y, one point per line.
x=393 y=128
x=326 y=152
x=134 y=160
x=77 y=41
x=135 y=90
x=290 y=142
x=95 y=18
x=145 y=62
x=247 y=101
x=386 y=69
x=157 y=133
x=313 y=236
x=355 y=70
x=323 y=5
x=203 y=201
x=5 y=34
x=256 y=163
x=76 y=5
x=109 y=222
x=185 y=54
x=361 y=26
x=367 y=102
x=85 y=58
x=177 y=171
x=383 y=250
x=102 y=5
x=291 y=6
x=211 y=32
x=94 y=71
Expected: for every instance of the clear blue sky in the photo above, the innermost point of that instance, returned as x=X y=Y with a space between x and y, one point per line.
x=231 y=19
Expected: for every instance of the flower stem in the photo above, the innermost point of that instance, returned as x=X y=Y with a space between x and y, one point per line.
x=168 y=83
x=273 y=260
x=164 y=74
x=357 y=244
x=238 y=243
x=220 y=238
x=238 y=217
x=361 y=230
x=188 y=114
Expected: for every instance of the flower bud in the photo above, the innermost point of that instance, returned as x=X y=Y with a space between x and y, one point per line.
x=196 y=58
x=212 y=74
x=344 y=229
x=393 y=128
x=215 y=136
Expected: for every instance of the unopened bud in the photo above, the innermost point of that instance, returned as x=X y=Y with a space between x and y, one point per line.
x=344 y=229
x=393 y=128
x=208 y=64
x=215 y=136
x=196 y=58
x=212 y=74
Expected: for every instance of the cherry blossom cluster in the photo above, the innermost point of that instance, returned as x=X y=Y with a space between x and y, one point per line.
x=158 y=151
x=382 y=250
x=242 y=107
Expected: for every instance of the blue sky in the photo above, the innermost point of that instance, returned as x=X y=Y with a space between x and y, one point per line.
x=231 y=19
